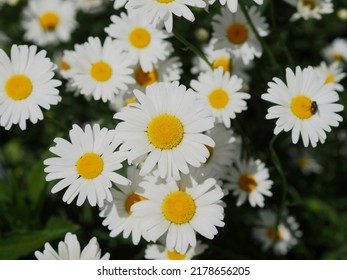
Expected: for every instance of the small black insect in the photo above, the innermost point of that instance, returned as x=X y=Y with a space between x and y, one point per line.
x=314 y=107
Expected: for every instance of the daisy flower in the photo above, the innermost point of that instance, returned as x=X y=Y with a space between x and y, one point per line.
x=161 y=11
x=49 y=22
x=220 y=58
x=160 y=252
x=249 y=180
x=117 y=213
x=70 y=249
x=220 y=92
x=26 y=85
x=169 y=70
x=308 y=9
x=166 y=127
x=223 y=153
x=232 y=4
x=143 y=41
x=89 y=6
x=180 y=210
x=305 y=105
x=100 y=70
x=233 y=32
x=332 y=73
x=117 y=4
x=336 y=51
x=308 y=164
x=86 y=166
x=9 y=2
x=287 y=232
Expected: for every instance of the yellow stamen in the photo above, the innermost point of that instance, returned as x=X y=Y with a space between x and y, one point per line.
x=132 y=199
x=329 y=79
x=49 y=21
x=18 y=87
x=101 y=71
x=237 y=33
x=145 y=78
x=247 y=182
x=90 y=165
x=274 y=235
x=223 y=62
x=301 y=107
x=218 y=98
x=174 y=255
x=139 y=37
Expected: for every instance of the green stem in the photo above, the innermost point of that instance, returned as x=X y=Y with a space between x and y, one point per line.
x=260 y=39
x=54 y=120
x=191 y=47
x=277 y=163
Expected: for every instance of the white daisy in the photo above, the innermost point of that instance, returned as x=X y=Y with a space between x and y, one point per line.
x=169 y=70
x=166 y=127
x=332 y=73
x=9 y=2
x=143 y=41
x=287 y=232
x=86 y=166
x=119 y=3
x=26 y=85
x=49 y=22
x=89 y=6
x=100 y=70
x=221 y=58
x=160 y=252
x=336 y=51
x=221 y=94
x=158 y=11
x=70 y=249
x=249 y=180
x=117 y=213
x=308 y=9
x=180 y=210
x=232 y=31
x=308 y=164
x=222 y=155
x=232 y=4
x=305 y=105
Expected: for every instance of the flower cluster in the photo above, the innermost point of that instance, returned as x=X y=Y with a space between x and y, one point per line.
x=170 y=153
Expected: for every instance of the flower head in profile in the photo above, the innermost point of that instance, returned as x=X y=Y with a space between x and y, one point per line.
x=89 y=6
x=233 y=32
x=333 y=73
x=144 y=42
x=26 y=86
x=336 y=50
x=117 y=213
x=49 y=22
x=221 y=93
x=179 y=210
x=280 y=240
x=70 y=249
x=249 y=180
x=165 y=129
x=101 y=70
x=158 y=251
x=162 y=11
x=305 y=105
x=310 y=9
x=86 y=166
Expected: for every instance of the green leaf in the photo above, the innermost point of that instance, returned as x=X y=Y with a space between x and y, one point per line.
x=36 y=183
x=23 y=243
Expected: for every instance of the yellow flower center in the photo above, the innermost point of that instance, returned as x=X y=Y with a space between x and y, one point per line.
x=329 y=79
x=174 y=255
x=223 y=62
x=130 y=100
x=165 y=131
x=90 y=165
x=274 y=235
x=18 y=87
x=337 y=56
x=140 y=37
x=311 y=4
x=49 y=21
x=165 y=1
x=218 y=98
x=64 y=65
x=101 y=71
x=303 y=162
x=178 y=207
x=301 y=107
x=145 y=78
x=247 y=182
x=237 y=33
x=132 y=199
